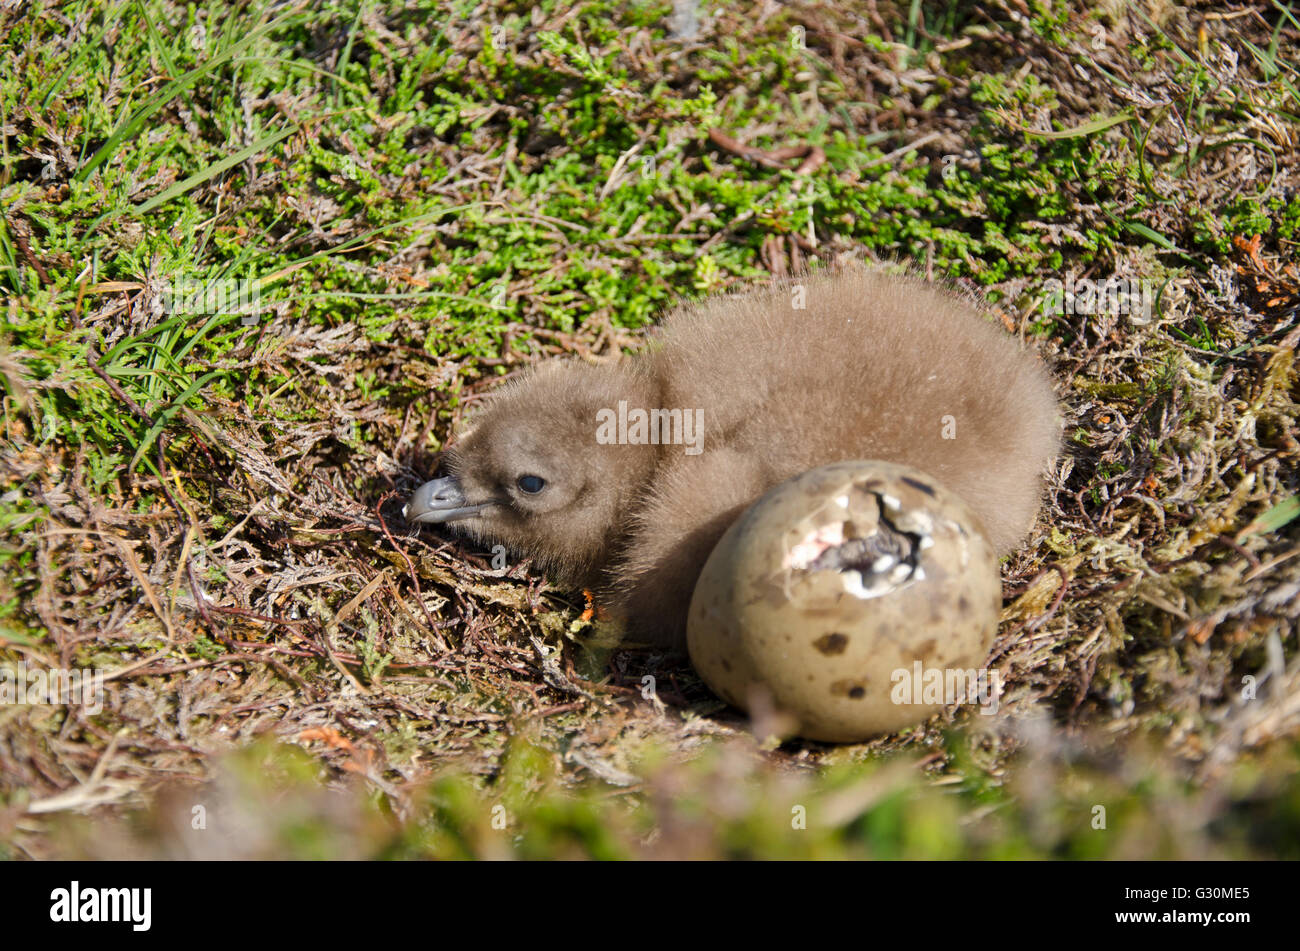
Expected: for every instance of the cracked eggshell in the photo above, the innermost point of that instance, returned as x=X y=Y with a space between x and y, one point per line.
x=830 y=588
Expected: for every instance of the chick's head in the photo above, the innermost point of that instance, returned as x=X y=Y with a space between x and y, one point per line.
x=531 y=475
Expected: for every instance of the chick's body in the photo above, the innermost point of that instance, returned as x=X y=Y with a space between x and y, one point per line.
x=869 y=367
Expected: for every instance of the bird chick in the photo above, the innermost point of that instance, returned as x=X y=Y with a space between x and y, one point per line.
x=622 y=478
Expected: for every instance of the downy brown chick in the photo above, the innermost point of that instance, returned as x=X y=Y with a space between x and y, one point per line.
x=622 y=478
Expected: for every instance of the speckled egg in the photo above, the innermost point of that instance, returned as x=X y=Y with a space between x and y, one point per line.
x=842 y=594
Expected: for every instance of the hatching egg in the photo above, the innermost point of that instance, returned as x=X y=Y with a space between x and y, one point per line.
x=840 y=594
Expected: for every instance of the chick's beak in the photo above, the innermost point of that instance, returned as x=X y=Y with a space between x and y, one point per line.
x=440 y=500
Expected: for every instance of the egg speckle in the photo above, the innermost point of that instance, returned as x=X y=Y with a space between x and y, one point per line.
x=829 y=589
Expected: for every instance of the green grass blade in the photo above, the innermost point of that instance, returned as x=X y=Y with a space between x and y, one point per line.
x=1279 y=515
x=132 y=126
x=166 y=415
x=198 y=178
x=1091 y=127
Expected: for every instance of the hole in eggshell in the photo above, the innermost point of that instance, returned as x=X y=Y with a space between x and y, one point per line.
x=876 y=548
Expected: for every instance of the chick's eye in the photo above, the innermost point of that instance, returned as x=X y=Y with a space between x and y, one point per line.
x=531 y=484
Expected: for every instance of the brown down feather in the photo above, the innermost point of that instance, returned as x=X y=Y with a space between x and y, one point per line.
x=873 y=367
